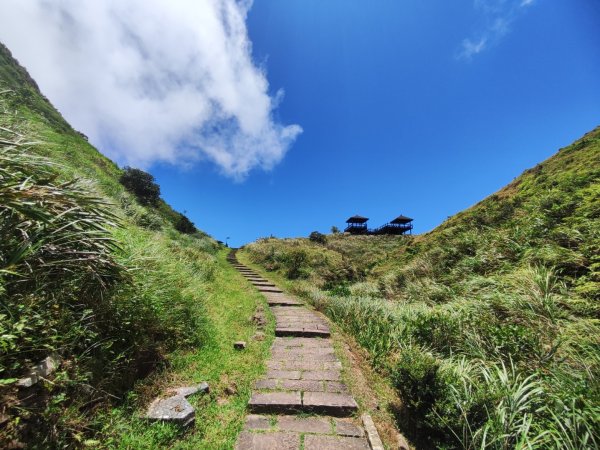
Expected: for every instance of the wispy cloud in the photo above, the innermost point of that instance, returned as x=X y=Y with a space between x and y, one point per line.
x=151 y=80
x=497 y=16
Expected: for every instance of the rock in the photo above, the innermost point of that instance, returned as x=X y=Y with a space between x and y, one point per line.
x=39 y=371
x=231 y=389
x=186 y=391
x=173 y=409
x=239 y=345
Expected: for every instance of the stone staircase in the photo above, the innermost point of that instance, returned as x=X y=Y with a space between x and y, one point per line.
x=302 y=401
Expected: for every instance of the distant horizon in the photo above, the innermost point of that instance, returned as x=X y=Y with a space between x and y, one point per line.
x=283 y=118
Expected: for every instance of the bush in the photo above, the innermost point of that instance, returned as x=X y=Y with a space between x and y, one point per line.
x=142 y=185
x=317 y=237
x=185 y=225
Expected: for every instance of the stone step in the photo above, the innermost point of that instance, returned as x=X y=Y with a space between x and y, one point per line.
x=269 y=289
x=326 y=403
x=301 y=332
x=283 y=302
x=283 y=440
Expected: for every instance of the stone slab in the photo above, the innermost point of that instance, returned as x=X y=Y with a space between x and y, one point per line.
x=288 y=374
x=266 y=384
x=316 y=442
x=306 y=332
x=186 y=391
x=268 y=441
x=338 y=405
x=301 y=385
x=345 y=427
x=283 y=302
x=372 y=434
x=304 y=424
x=325 y=375
x=257 y=422
x=174 y=409
x=275 y=402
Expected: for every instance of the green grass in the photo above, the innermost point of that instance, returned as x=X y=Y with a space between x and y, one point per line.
x=170 y=311
x=488 y=325
x=230 y=304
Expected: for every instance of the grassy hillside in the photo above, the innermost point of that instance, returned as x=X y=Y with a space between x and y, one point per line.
x=87 y=274
x=488 y=325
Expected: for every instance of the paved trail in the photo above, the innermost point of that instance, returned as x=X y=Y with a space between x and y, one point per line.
x=303 y=377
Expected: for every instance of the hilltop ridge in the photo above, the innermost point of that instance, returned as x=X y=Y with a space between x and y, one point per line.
x=497 y=306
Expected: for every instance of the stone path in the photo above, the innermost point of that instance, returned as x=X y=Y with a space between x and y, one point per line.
x=303 y=377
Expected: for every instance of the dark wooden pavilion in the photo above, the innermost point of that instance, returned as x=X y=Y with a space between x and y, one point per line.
x=400 y=225
x=357 y=225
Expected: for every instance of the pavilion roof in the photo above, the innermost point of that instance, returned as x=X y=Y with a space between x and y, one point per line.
x=357 y=219
x=401 y=219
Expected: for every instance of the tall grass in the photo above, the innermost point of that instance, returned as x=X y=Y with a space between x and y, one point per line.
x=80 y=281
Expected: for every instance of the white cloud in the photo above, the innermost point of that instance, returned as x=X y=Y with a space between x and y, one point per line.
x=497 y=17
x=470 y=48
x=151 y=80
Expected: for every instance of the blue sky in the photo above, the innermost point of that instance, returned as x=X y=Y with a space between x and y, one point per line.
x=380 y=107
x=394 y=119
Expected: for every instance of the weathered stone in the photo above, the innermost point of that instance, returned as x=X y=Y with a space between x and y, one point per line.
x=296 y=331
x=282 y=301
x=269 y=289
x=186 y=391
x=338 y=405
x=275 y=402
x=301 y=385
x=304 y=424
x=315 y=442
x=268 y=441
x=372 y=434
x=174 y=409
x=329 y=375
x=345 y=427
x=265 y=384
x=39 y=371
x=257 y=422
x=288 y=374
x=239 y=345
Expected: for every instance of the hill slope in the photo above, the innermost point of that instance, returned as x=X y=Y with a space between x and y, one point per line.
x=88 y=274
x=488 y=325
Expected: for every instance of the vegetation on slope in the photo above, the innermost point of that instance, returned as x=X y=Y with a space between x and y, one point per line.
x=488 y=325
x=88 y=274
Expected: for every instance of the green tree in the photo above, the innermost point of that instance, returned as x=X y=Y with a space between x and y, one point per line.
x=141 y=184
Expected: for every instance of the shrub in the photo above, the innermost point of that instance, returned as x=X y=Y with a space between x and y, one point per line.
x=141 y=184
x=185 y=225
x=318 y=238
x=294 y=262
